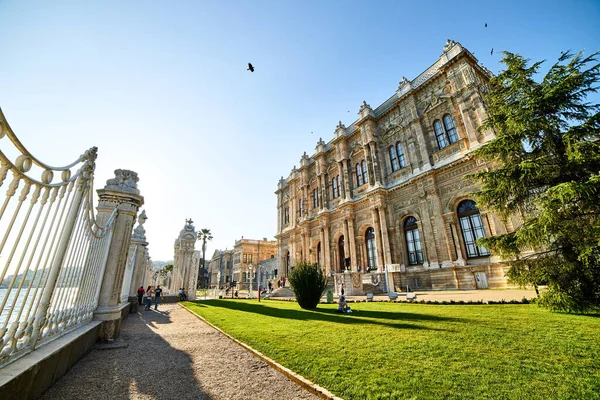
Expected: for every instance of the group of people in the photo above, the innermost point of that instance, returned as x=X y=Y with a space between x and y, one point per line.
x=150 y=294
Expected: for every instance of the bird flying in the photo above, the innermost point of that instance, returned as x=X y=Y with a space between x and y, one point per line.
x=250 y=67
x=492 y=52
x=486 y=24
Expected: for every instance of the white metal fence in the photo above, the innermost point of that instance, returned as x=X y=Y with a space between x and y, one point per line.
x=52 y=250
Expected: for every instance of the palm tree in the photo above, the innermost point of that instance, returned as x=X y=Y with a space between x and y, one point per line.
x=203 y=235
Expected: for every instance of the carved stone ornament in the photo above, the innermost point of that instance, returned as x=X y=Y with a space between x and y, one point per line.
x=124 y=181
x=449 y=44
x=139 y=232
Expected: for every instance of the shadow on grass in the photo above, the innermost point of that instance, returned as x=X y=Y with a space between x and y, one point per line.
x=330 y=315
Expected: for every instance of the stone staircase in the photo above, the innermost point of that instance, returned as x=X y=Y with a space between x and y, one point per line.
x=282 y=292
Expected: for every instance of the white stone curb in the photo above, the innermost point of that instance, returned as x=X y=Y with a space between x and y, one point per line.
x=299 y=379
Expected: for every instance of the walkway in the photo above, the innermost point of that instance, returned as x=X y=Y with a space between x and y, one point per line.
x=170 y=354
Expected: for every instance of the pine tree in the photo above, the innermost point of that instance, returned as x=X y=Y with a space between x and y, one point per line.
x=545 y=168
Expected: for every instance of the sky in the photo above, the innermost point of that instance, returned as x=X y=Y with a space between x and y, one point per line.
x=161 y=87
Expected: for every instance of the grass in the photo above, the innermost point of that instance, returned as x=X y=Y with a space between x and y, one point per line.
x=414 y=351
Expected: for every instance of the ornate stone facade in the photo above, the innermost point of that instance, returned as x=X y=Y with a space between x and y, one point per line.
x=248 y=252
x=384 y=193
x=221 y=268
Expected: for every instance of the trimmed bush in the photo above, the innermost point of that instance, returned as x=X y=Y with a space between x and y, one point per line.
x=308 y=283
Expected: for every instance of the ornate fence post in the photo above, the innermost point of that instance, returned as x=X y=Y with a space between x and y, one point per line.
x=120 y=193
x=134 y=274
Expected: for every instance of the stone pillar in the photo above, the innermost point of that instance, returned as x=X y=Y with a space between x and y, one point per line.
x=128 y=275
x=341 y=172
x=346 y=245
x=378 y=241
x=348 y=179
x=328 y=264
x=120 y=193
x=138 y=239
x=387 y=255
x=185 y=267
x=352 y=240
x=376 y=169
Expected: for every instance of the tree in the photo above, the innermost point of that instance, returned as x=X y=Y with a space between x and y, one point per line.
x=204 y=235
x=545 y=163
x=308 y=283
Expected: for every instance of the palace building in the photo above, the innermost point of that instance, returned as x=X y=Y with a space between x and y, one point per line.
x=388 y=193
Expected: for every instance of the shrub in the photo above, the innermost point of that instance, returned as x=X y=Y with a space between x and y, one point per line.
x=308 y=283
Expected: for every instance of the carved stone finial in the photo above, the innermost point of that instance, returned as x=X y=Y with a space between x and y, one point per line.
x=304 y=156
x=340 y=125
x=321 y=142
x=449 y=44
x=124 y=181
x=364 y=106
x=139 y=232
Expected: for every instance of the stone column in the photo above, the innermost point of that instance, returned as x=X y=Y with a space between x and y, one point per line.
x=348 y=178
x=352 y=240
x=120 y=193
x=328 y=264
x=384 y=234
x=376 y=170
x=128 y=275
x=341 y=172
x=346 y=243
x=378 y=240
x=138 y=239
x=369 y=163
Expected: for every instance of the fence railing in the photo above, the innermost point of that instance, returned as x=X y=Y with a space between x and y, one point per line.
x=52 y=250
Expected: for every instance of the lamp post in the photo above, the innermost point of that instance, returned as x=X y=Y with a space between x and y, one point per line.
x=250 y=278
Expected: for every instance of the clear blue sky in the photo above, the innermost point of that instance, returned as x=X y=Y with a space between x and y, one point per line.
x=162 y=88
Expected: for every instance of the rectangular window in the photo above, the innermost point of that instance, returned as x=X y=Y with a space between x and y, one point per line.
x=245 y=258
x=364 y=172
x=335 y=186
x=401 y=157
x=315 y=198
x=300 y=208
x=249 y=258
x=393 y=159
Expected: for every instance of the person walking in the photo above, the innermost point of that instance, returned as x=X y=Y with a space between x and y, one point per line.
x=270 y=287
x=157 y=293
x=140 y=294
x=149 y=297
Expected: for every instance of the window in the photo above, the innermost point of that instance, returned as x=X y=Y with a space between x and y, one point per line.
x=249 y=258
x=286 y=215
x=450 y=128
x=359 y=175
x=371 y=249
x=400 y=152
x=315 y=198
x=319 y=254
x=245 y=258
x=300 y=207
x=393 y=159
x=335 y=186
x=243 y=277
x=364 y=171
x=472 y=228
x=413 y=241
x=447 y=133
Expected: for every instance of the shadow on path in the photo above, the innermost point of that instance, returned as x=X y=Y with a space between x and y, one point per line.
x=393 y=319
x=149 y=367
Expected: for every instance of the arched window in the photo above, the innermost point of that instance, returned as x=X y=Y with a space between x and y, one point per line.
x=400 y=152
x=413 y=241
x=471 y=227
x=364 y=171
x=445 y=134
x=394 y=159
x=342 y=254
x=359 y=175
x=371 y=248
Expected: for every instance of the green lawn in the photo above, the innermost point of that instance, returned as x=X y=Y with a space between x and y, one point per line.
x=416 y=351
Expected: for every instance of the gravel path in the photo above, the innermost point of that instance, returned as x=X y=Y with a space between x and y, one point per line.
x=173 y=355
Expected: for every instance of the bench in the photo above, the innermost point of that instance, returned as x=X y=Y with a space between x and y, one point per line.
x=369 y=296
x=393 y=295
x=411 y=296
